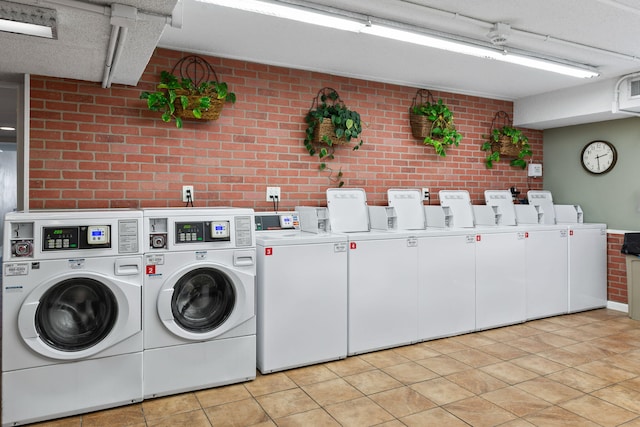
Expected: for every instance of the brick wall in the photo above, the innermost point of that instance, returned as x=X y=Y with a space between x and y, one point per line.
x=101 y=148
x=96 y=148
x=616 y=269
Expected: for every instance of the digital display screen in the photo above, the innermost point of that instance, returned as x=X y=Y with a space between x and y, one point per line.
x=186 y=226
x=97 y=233
x=56 y=232
x=219 y=227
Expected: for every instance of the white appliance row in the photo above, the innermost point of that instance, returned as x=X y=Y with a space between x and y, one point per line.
x=419 y=272
x=105 y=308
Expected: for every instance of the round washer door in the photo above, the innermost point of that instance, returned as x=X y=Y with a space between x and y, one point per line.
x=73 y=316
x=76 y=314
x=204 y=301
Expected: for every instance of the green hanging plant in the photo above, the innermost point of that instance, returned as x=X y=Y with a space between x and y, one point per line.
x=508 y=141
x=331 y=123
x=436 y=120
x=180 y=98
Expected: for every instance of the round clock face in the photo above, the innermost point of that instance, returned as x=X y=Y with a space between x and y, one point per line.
x=599 y=157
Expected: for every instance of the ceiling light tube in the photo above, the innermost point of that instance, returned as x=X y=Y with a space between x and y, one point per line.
x=307 y=16
x=27 y=19
x=26 y=28
x=482 y=52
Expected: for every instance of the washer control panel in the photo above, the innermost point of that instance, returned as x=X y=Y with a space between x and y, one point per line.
x=202 y=231
x=76 y=237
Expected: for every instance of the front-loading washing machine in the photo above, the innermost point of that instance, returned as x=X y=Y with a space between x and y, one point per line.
x=71 y=312
x=198 y=299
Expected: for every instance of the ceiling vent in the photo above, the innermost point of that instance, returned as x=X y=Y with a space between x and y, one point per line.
x=634 y=88
x=499 y=34
x=627 y=95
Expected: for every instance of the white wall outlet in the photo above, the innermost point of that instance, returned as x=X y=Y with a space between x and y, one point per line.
x=273 y=194
x=187 y=193
x=425 y=193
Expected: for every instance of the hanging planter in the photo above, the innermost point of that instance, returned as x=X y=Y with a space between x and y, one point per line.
x=329 y=124
x=433 y=122
x=190 y=91
x=506 y=141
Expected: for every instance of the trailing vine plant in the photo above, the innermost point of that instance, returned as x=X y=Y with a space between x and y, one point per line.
x=331 y=123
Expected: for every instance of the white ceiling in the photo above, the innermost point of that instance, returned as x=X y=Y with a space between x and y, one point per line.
x=602 y=33
x=606 y=24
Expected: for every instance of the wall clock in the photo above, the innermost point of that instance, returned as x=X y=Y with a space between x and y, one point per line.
x=599 y=157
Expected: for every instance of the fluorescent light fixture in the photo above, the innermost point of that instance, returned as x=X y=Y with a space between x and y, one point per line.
x=343 y=20
x=479 y=51
x=29 y=20
x=24 y=28
x=7 y=128
x=294 y=13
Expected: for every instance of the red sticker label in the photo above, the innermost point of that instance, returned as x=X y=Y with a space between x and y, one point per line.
x=478 y=237
x=352 y=245
x=570 y=232
x=526 y=234
x=151 y=269
x=268 y=251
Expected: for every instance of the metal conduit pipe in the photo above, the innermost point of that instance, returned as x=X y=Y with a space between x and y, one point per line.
x=118 y=32
x=115 y=30
x=122 y=37
x=489 y=25
x=106 y=10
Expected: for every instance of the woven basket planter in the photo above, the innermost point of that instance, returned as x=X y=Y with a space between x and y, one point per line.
x=326 y=128
x=420 y=125
x=508 y=148
x=211 y=113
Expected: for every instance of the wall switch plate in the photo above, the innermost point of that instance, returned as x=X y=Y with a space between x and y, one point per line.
x=425 y=193
x=273 y=194
x=187 y=190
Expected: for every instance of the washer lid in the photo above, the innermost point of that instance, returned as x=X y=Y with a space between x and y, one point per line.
x=503 y=201
x=543 y=201
x=348 y=210
x=409 y=208
x=458 y=205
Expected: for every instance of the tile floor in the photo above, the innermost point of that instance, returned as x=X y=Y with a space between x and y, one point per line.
x=576 y=370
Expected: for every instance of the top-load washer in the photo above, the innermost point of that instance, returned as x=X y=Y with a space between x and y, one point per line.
x=301 y=292
x=198 y=298
x=446 y=267
x=499 y=263
x=71 y=312
x=587 y=251
x=547 y=264
x=382 y=272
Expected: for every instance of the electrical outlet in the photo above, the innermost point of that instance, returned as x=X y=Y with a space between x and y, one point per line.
x=187 y=193
x=425 y=193
x=273 y=193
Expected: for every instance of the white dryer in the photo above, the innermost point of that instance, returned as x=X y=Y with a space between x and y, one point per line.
x=302 y=293
x=71 y=313
x=199 y=299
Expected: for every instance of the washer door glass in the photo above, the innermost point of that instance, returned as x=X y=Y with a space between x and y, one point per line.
x=202 y=300
x=76 y=314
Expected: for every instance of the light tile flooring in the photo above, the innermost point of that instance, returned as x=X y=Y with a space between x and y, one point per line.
x=576 y=370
